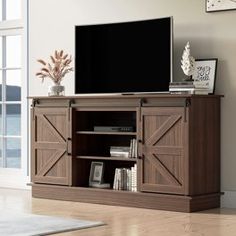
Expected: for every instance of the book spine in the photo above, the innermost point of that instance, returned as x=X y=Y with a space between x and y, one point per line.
x=125 y=179
x=132 y=179
x=135 y=178
x=130 y=148
x=115 y=180
x=120 y=154
x=136 y=149
x=128 y=179
x=133 y=147
x=118 y=148
x=119 y=180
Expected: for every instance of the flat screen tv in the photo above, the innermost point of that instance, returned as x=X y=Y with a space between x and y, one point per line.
x=129 y=57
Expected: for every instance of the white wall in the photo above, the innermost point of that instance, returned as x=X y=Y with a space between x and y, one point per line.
x=210 y=34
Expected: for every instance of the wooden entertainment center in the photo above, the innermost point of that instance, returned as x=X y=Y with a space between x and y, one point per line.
x=178 y=164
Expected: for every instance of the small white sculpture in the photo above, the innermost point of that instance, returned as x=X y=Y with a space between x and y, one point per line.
x=188 y=62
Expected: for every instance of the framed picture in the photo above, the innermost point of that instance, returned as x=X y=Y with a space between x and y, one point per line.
x=96 y=173
x=205 y=74
x=220 y=5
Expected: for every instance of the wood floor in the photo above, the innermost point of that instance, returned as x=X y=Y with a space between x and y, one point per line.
x=124 y=221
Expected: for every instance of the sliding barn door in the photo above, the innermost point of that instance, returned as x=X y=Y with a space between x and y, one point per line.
x=51 y=137
x=162 y=150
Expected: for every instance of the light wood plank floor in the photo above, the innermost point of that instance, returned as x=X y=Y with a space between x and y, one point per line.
x=124 y=221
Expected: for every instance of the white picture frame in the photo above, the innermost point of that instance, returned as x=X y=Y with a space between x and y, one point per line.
x=220 y=5
x=96 y=173
x=204 y=75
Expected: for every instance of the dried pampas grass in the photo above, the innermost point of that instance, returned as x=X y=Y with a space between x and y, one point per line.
x=58 y=69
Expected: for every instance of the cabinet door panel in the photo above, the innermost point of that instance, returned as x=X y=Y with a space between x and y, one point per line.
x=51 y=132
x=163 y=150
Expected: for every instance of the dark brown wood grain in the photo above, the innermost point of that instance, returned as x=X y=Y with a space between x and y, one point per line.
x=178 y=150
x=50 y=162
x=125 y=198
x=114 y=96
x=162 y=164
x=204 y=146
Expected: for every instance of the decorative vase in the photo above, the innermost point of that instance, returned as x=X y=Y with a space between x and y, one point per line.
x=56 y=90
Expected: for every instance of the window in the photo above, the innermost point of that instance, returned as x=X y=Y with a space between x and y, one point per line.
x=10 y=101
x=10 y=10
x=13 y=9
x=13 y=88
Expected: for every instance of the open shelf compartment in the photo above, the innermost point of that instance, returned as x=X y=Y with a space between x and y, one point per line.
x=99 y=145
x=83 y=167
x=86 y=121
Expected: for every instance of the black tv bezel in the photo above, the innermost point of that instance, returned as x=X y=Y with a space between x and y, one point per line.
x=124 y=22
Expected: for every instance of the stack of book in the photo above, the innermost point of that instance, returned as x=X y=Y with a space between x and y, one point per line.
x=119 y=151
x=187 y=87
x=133 y=149
x=125 y=151
x=125 y=179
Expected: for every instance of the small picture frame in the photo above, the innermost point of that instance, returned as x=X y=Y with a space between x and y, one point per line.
x=220 y=5
x=96 y=173
x=204 y=75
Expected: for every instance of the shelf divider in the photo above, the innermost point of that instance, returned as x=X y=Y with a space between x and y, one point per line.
x=107 y=158
x=106 y=133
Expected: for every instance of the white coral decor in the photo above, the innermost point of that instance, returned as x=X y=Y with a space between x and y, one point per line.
x=188 y=62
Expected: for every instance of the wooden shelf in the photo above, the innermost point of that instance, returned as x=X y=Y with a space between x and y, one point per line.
x=106 y=133
x=107 y=158
x=107 y=190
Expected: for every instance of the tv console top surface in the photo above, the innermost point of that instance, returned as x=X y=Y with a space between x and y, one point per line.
x=126 y=95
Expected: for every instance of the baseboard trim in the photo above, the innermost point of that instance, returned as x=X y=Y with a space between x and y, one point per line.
x=228 y=199
x=14 y=180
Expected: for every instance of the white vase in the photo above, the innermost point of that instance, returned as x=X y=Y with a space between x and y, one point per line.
x=56 y=90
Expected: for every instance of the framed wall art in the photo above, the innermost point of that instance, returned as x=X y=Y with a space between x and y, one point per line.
x=220 y=5
x=205 y=74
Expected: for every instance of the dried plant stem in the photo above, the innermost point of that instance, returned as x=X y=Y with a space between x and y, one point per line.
x=59 y=68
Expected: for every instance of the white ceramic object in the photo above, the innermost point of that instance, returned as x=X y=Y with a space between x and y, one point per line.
x=188 y=62
x=56 y=90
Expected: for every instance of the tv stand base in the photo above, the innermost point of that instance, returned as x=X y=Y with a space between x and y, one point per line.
x=126 y=198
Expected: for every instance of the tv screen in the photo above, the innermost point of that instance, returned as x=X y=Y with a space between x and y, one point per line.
x=130 y=57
